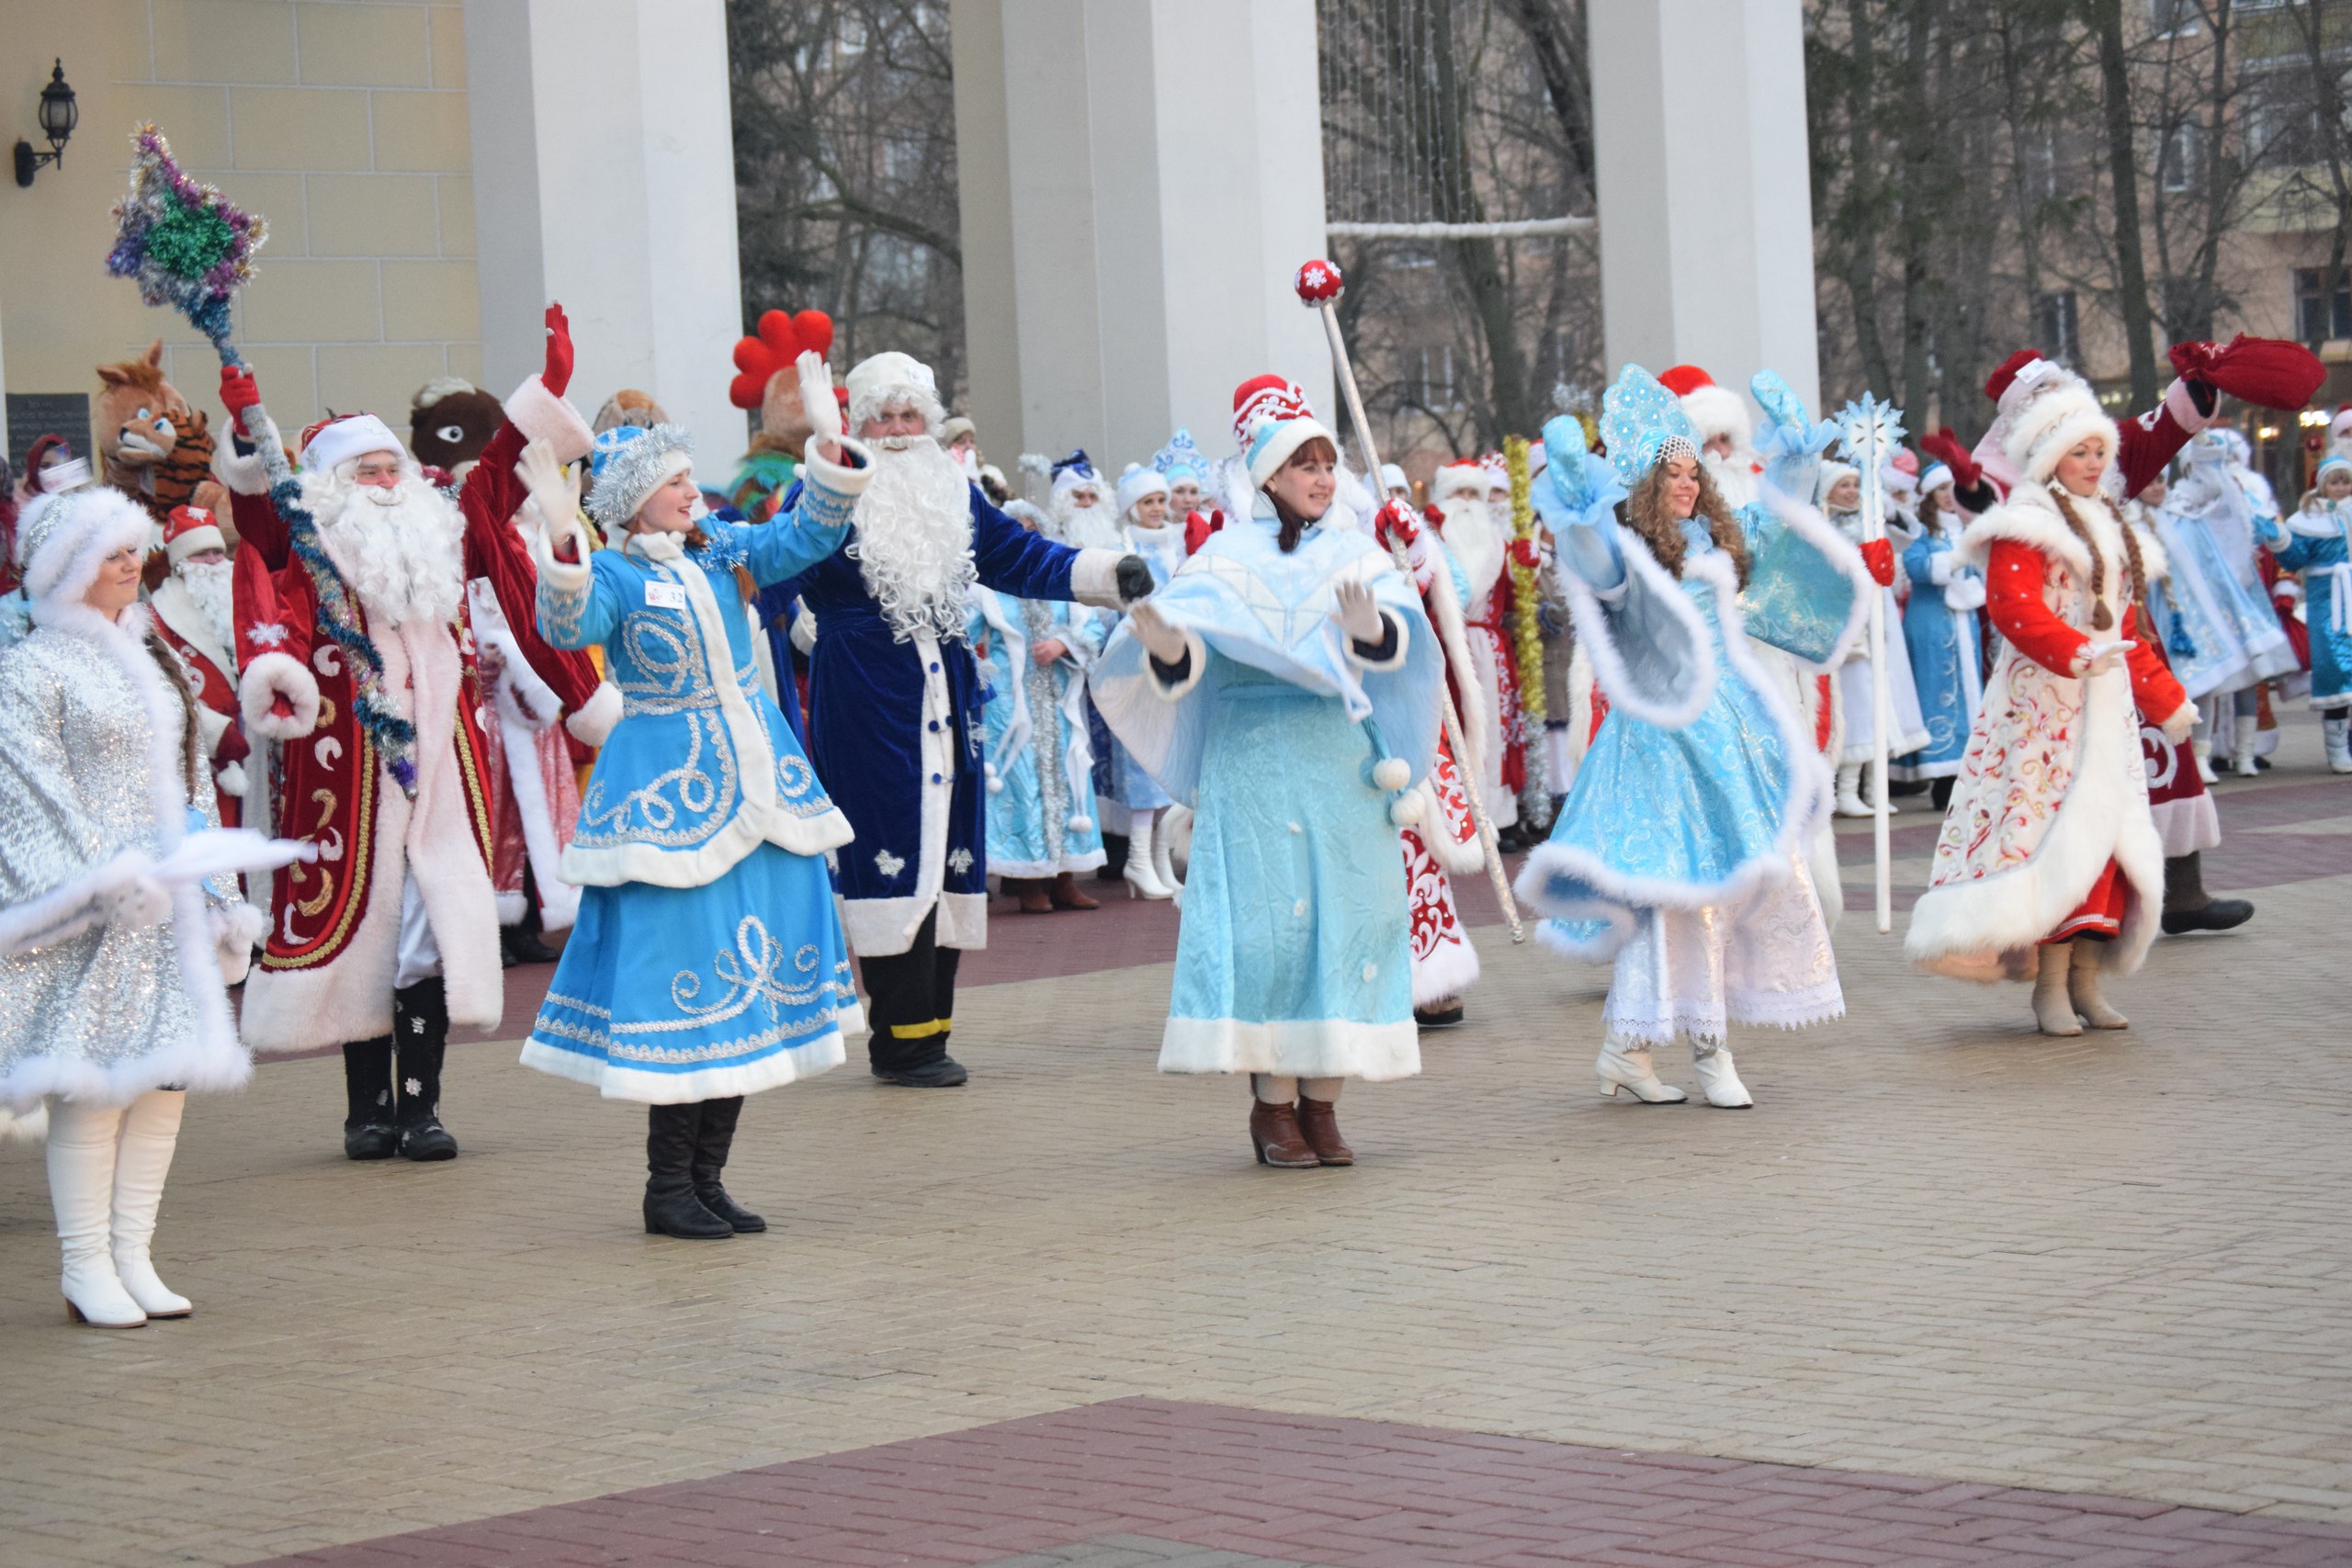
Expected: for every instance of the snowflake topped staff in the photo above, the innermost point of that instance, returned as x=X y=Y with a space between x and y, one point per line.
x=1869 y=432
x=182 y=242
x=188 y=247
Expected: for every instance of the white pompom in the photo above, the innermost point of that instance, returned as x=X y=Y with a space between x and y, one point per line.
x=1392 y=773
x=1406 y=809
x=1081 y=823
x=996 y=784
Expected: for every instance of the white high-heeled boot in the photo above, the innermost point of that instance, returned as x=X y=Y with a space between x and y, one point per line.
x=2053 y=1009
x=1626 y=1064
x=82 y=1140
x=2242 y=739
x=1142 y=881
x=1850 y=791
x=150 y=1132
x=2082 y=987
x=1718 y=1078
x=1163 y=854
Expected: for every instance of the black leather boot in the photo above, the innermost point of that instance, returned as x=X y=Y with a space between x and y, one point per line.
x=421 y=1038
x=367 y=1093
x=2188 y=908
x=713 y=1137
x=671 y=1206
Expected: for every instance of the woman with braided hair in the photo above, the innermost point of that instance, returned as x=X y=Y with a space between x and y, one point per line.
x=2049 y=867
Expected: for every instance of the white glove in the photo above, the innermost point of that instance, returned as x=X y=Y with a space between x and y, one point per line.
x=2183 y=720
x=140 y=902
x=2099 y=658
x=819 y=408
x=1357 y=615
x=1161 y=639
x=554 y=486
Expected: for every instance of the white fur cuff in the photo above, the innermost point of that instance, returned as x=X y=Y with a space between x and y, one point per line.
x=242 y=472
x=836 y=477
x=1395 y=661
x=1197 y=654
x=2182 y=408
x=540 y=416
x=594 y=723
x=269 y=677
x=569 y=578
x=1094 y=579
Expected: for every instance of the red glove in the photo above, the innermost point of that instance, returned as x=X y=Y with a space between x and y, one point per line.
x=1523 y=552
x=1436 y=517
x=1197 y=529
x=1879 y=556
x=1394 y=525
x=557 y=373
x=239 y=392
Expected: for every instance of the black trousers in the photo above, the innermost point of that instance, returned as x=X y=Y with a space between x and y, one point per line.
x=911 y=1001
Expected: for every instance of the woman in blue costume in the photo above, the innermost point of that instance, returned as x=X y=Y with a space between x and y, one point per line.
x=1678 y=856
x=707 y=963
x=1157 y=537
x=2317 y=543
x=1940 y=627
x=1033 y=655
x=2209 y=527
x=1284 y=685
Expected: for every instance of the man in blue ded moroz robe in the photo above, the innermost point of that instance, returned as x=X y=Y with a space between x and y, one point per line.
x=895 y=725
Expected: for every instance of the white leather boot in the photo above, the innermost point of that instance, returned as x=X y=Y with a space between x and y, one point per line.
x=2053 y=1009
x=2082 y=987
x=82 y=1140
x=2337 y=733
x=2241 y=739
x=1143 y=880
x=1163 y=854
x=2203 y=749
x=1850 y=791
x=1626 y=1064
x=1718 y=1078
x=150 y=1132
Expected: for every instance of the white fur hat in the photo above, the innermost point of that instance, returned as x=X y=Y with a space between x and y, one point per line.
x=878 y=378
x=1826 y=479
x=1137 y=482
x=1467 y=477
x=1719 y=411
x=62 y=538
x=338 y=441
x=2059 y=412
x=1392 y=477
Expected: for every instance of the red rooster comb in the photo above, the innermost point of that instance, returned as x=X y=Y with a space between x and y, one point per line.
x=782 y=340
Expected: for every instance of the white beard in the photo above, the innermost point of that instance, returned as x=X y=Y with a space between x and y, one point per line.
x=1476 y=540
x=1735 y=476
x=914 y=539
x=403 y=556
x=1083 y=527
x=212 y=586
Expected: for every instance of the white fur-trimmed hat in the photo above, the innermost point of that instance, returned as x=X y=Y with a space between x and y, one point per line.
x=61 y=539
x=631 y=462
x=882 y=378
x=1272 y=420
x=2058 y=413
x=337 y=441
x=1137 y=482
x=1465 y=477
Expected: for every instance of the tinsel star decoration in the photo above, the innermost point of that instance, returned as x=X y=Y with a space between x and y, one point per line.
x=184 y=243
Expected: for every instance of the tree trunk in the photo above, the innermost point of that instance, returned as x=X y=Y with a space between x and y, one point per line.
x=2123 y=176
x=1861 y=268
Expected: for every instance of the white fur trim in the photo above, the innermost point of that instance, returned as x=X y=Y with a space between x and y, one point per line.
x=592 y=724
x=2050 y=424
x=1094 y=579
x=2030 y=518
x=1458 y=478
x=1719 y=411
x=89 y=525
x=1196 y=656
x=511 y=908
x=615 y=1081
x=1987 y=929
x=836 y=477
x=531 y=700
x=177 y=608
x=1407 y=810
x=540 y=416
x=1305 y=1048
x=880 y=928
x=1451 y=969
x=232 y=781
x=1608 y=665
x=1395 y=661
x=268 y=677
x=1445 y=607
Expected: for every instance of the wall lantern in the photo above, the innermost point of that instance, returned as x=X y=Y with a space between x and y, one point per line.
x=58 y=115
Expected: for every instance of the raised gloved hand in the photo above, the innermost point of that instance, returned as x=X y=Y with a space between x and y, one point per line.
x=1357 y=615
x=1135 y=578
x=1395 y=526
x=2183 y=720
x=239 y=392
x=1160 y=639
x=556 y=373
x=1879 y=556
x=820 y=407
x=1527 y=553
x=554 y=488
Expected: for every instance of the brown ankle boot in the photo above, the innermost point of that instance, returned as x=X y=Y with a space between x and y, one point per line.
x=1274 y=1132
x=1319 y=1123
x=1032 y=895
x=1066 y=894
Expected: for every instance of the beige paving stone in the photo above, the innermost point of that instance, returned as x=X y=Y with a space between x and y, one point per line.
x=1941 y=1246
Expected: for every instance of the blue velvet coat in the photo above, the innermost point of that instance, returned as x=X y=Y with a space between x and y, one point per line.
x=896 y=731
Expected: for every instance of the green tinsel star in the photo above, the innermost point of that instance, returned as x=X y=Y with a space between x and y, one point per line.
x=187 y=241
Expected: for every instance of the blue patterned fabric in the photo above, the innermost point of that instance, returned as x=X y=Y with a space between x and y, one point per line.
x=1945 y=644
x=708 y=960
x=2317 y=543
x=1040 y=785
x=2209 y=525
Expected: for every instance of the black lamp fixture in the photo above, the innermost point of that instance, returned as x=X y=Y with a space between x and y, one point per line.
x=58 y=115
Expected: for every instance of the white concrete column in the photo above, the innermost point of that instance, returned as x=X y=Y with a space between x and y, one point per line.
x=604 y=170
x=1705 y=209
x=1139 y=179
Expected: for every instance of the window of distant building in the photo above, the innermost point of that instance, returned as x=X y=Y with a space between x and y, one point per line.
x=2177 y=166
x=2058 y=327
x=2314 y=323
x=1434 y=386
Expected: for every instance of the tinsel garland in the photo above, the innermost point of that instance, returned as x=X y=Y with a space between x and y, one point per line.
x=188 y=247
x=1527 y=633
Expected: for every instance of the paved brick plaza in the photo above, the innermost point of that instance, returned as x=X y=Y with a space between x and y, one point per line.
x=1952 y=1293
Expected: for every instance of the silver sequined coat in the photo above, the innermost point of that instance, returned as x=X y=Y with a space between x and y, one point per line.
x=90 y=760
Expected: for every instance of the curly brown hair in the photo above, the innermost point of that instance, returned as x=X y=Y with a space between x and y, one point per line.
x=1647 y=515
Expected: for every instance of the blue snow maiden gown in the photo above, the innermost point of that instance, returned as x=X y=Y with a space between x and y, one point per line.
x=1940 y=626
x=708 y=960
x=1677 y=855
x=2316 y=543
x=1293 y=957
x=1040 y=767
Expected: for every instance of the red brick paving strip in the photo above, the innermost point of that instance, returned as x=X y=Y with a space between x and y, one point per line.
x=1328 y=1490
